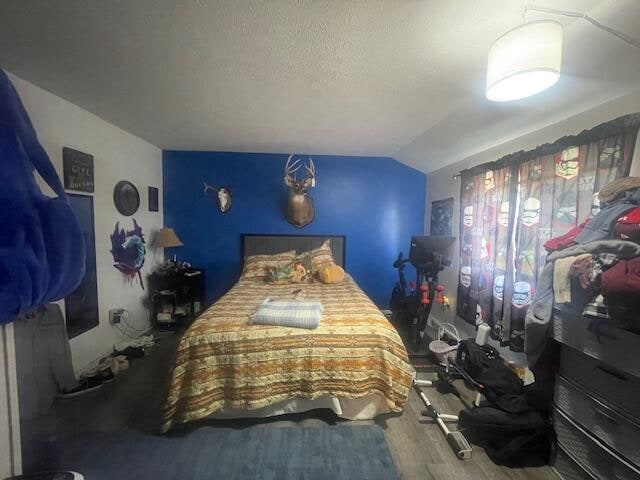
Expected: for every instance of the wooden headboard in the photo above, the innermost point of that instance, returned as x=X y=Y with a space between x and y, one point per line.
x=268 y=244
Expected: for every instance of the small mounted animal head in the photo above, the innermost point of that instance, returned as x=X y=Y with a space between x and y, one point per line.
x=223 y=195
x=300 y=210
x=299 y=187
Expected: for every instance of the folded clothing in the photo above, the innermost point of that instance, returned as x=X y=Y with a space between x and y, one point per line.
x=613 y=190
x=622 y=279
x=581 y=271
x=566 y=240
x=601 y=226
x=288 y=313
x=628 y=226
x=562 y=279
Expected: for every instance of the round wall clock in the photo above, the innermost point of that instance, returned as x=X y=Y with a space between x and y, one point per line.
x=126 y=198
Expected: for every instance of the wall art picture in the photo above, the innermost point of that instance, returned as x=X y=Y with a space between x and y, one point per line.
x=128 y=250
x=153 y=199
x=81 y=305
x=442 y=217
x=77 y=170
x=126 y=198
x=223 y=196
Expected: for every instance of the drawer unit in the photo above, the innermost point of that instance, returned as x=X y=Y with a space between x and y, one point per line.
x=567 y=469
x=608 y=425
x=603 y=340
x=607 y=383
x=592 y=456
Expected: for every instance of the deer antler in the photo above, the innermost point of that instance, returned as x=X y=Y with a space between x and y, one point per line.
x=311 y=168
x=208 y=187
x=292 y=168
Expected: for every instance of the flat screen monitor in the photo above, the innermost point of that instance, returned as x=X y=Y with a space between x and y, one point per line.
x=423 y=248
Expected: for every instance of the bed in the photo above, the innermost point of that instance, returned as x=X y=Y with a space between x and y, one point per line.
x=354 y=363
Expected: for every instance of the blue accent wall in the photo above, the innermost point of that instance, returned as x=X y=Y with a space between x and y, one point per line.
x=377 y=203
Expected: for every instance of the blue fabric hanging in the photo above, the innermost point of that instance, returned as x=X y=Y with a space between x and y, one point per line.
x=42 y=249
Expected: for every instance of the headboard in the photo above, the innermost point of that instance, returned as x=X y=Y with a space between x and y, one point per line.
x=268 y=244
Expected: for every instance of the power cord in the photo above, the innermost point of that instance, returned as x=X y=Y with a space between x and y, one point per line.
x=128 y=320
x=568 y=13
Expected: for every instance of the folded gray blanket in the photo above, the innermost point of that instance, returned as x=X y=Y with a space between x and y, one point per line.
x=289 y=313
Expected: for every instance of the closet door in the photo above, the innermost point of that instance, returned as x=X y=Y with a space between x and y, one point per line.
x=10 y=463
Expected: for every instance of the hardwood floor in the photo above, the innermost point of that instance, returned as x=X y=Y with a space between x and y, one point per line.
x=133 y=401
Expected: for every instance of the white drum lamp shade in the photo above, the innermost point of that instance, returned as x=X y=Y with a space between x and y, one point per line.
x=524 y=61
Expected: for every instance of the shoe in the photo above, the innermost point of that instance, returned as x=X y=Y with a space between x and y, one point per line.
x=85 y=385
x=106 y=375
x=131 y=352
x=119 y=364
x=50 y=476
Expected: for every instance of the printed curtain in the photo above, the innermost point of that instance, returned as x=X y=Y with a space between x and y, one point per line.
x=511 y=207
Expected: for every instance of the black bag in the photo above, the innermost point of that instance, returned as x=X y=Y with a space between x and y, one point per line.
x=500 y=384
x=513 y=440
x=475 y=359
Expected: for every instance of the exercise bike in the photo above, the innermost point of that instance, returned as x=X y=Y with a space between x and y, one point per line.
x=428 y=255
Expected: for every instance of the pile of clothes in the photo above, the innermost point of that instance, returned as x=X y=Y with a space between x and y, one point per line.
x=594 y=268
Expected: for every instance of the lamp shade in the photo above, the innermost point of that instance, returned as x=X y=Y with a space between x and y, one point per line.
x=167 y=238
x=524 y=61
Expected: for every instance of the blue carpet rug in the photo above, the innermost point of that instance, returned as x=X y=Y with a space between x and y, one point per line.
x=266 y=453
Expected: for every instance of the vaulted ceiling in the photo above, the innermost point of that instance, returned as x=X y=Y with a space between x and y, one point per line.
x=388 y=78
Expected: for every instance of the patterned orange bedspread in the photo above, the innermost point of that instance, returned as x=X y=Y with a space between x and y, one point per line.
x=222 y=361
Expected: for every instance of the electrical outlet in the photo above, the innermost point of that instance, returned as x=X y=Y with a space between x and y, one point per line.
x=115 y=315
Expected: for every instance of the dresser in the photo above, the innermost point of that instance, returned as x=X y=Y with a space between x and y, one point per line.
x=596 y=412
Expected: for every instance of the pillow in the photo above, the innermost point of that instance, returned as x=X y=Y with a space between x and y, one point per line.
x=255 y=266
x=321 y=257
x=331 y=274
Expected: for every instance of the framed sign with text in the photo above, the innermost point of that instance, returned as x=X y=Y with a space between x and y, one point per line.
x=77 y=169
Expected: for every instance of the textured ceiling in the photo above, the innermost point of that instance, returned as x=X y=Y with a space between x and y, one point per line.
x=391 y=78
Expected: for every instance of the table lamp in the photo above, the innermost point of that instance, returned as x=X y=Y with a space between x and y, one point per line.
x=167 y=238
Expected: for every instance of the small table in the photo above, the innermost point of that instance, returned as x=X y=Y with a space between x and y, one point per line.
x=177 y=293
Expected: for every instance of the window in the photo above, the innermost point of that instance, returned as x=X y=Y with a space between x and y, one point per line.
x=512 y=207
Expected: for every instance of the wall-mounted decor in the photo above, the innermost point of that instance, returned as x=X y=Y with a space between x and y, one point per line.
x=442 y=217
x=126 y=198
x=77 y=168
x=300 y=210
x=153 y=199
x=223 y=195
x=81 y=305
x=128 y=250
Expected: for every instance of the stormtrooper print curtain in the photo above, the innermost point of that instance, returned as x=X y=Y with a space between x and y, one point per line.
x=511 y=207
x=486 y=230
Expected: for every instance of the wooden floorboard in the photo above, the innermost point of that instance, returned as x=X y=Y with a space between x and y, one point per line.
x=417 y=446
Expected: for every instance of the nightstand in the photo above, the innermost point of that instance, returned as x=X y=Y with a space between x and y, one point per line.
x=176 y=297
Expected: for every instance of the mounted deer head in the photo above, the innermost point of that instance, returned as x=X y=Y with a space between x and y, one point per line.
x=300 y=211
x=223 y=195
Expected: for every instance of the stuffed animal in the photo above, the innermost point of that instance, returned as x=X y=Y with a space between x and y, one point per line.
x=331 y=274
x=299 y=273
x=280 y=275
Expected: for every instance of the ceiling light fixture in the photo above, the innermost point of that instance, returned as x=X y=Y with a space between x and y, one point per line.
x=527 y=59
x=524 y=61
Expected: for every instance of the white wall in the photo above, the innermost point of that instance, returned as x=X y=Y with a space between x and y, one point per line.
x=117 y=156
x=440 y=183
